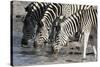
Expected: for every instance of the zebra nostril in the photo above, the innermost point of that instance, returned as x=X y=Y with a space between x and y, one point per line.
x=40 y=34
x=57 y=36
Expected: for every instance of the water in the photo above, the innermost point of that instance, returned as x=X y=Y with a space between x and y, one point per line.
x=29 y=56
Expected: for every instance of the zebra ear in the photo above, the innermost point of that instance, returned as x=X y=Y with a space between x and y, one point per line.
x=62 y=18
x=26 y=9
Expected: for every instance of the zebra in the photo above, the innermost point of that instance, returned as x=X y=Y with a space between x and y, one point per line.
x=48 y=23
x=35 y=11
x=81 y=22
x=53 y=11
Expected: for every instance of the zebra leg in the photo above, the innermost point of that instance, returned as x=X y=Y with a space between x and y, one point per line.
x=86 y=37
x=93 y=42
x=95 y=51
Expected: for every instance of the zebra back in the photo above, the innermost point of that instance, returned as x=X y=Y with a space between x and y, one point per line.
x=69 y=9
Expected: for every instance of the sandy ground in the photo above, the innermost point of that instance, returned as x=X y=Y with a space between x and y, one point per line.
x=28 y=56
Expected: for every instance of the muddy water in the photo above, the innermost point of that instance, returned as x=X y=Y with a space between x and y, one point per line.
x=29 y=56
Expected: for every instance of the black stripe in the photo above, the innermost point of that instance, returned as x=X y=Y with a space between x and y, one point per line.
x=84 y=6
x=94 y=10
x=37 y=12
x=47 y=21
x=41 y=10
x=76 y=22
x=71 y=28
x=72 y=22
x=51 y=12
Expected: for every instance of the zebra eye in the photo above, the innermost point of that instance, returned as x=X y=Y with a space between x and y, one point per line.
x=57 y=36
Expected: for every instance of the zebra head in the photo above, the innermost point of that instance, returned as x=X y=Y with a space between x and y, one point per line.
x=60 y=38
x=35 y=11
x=41 y=36
x=29 y=28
